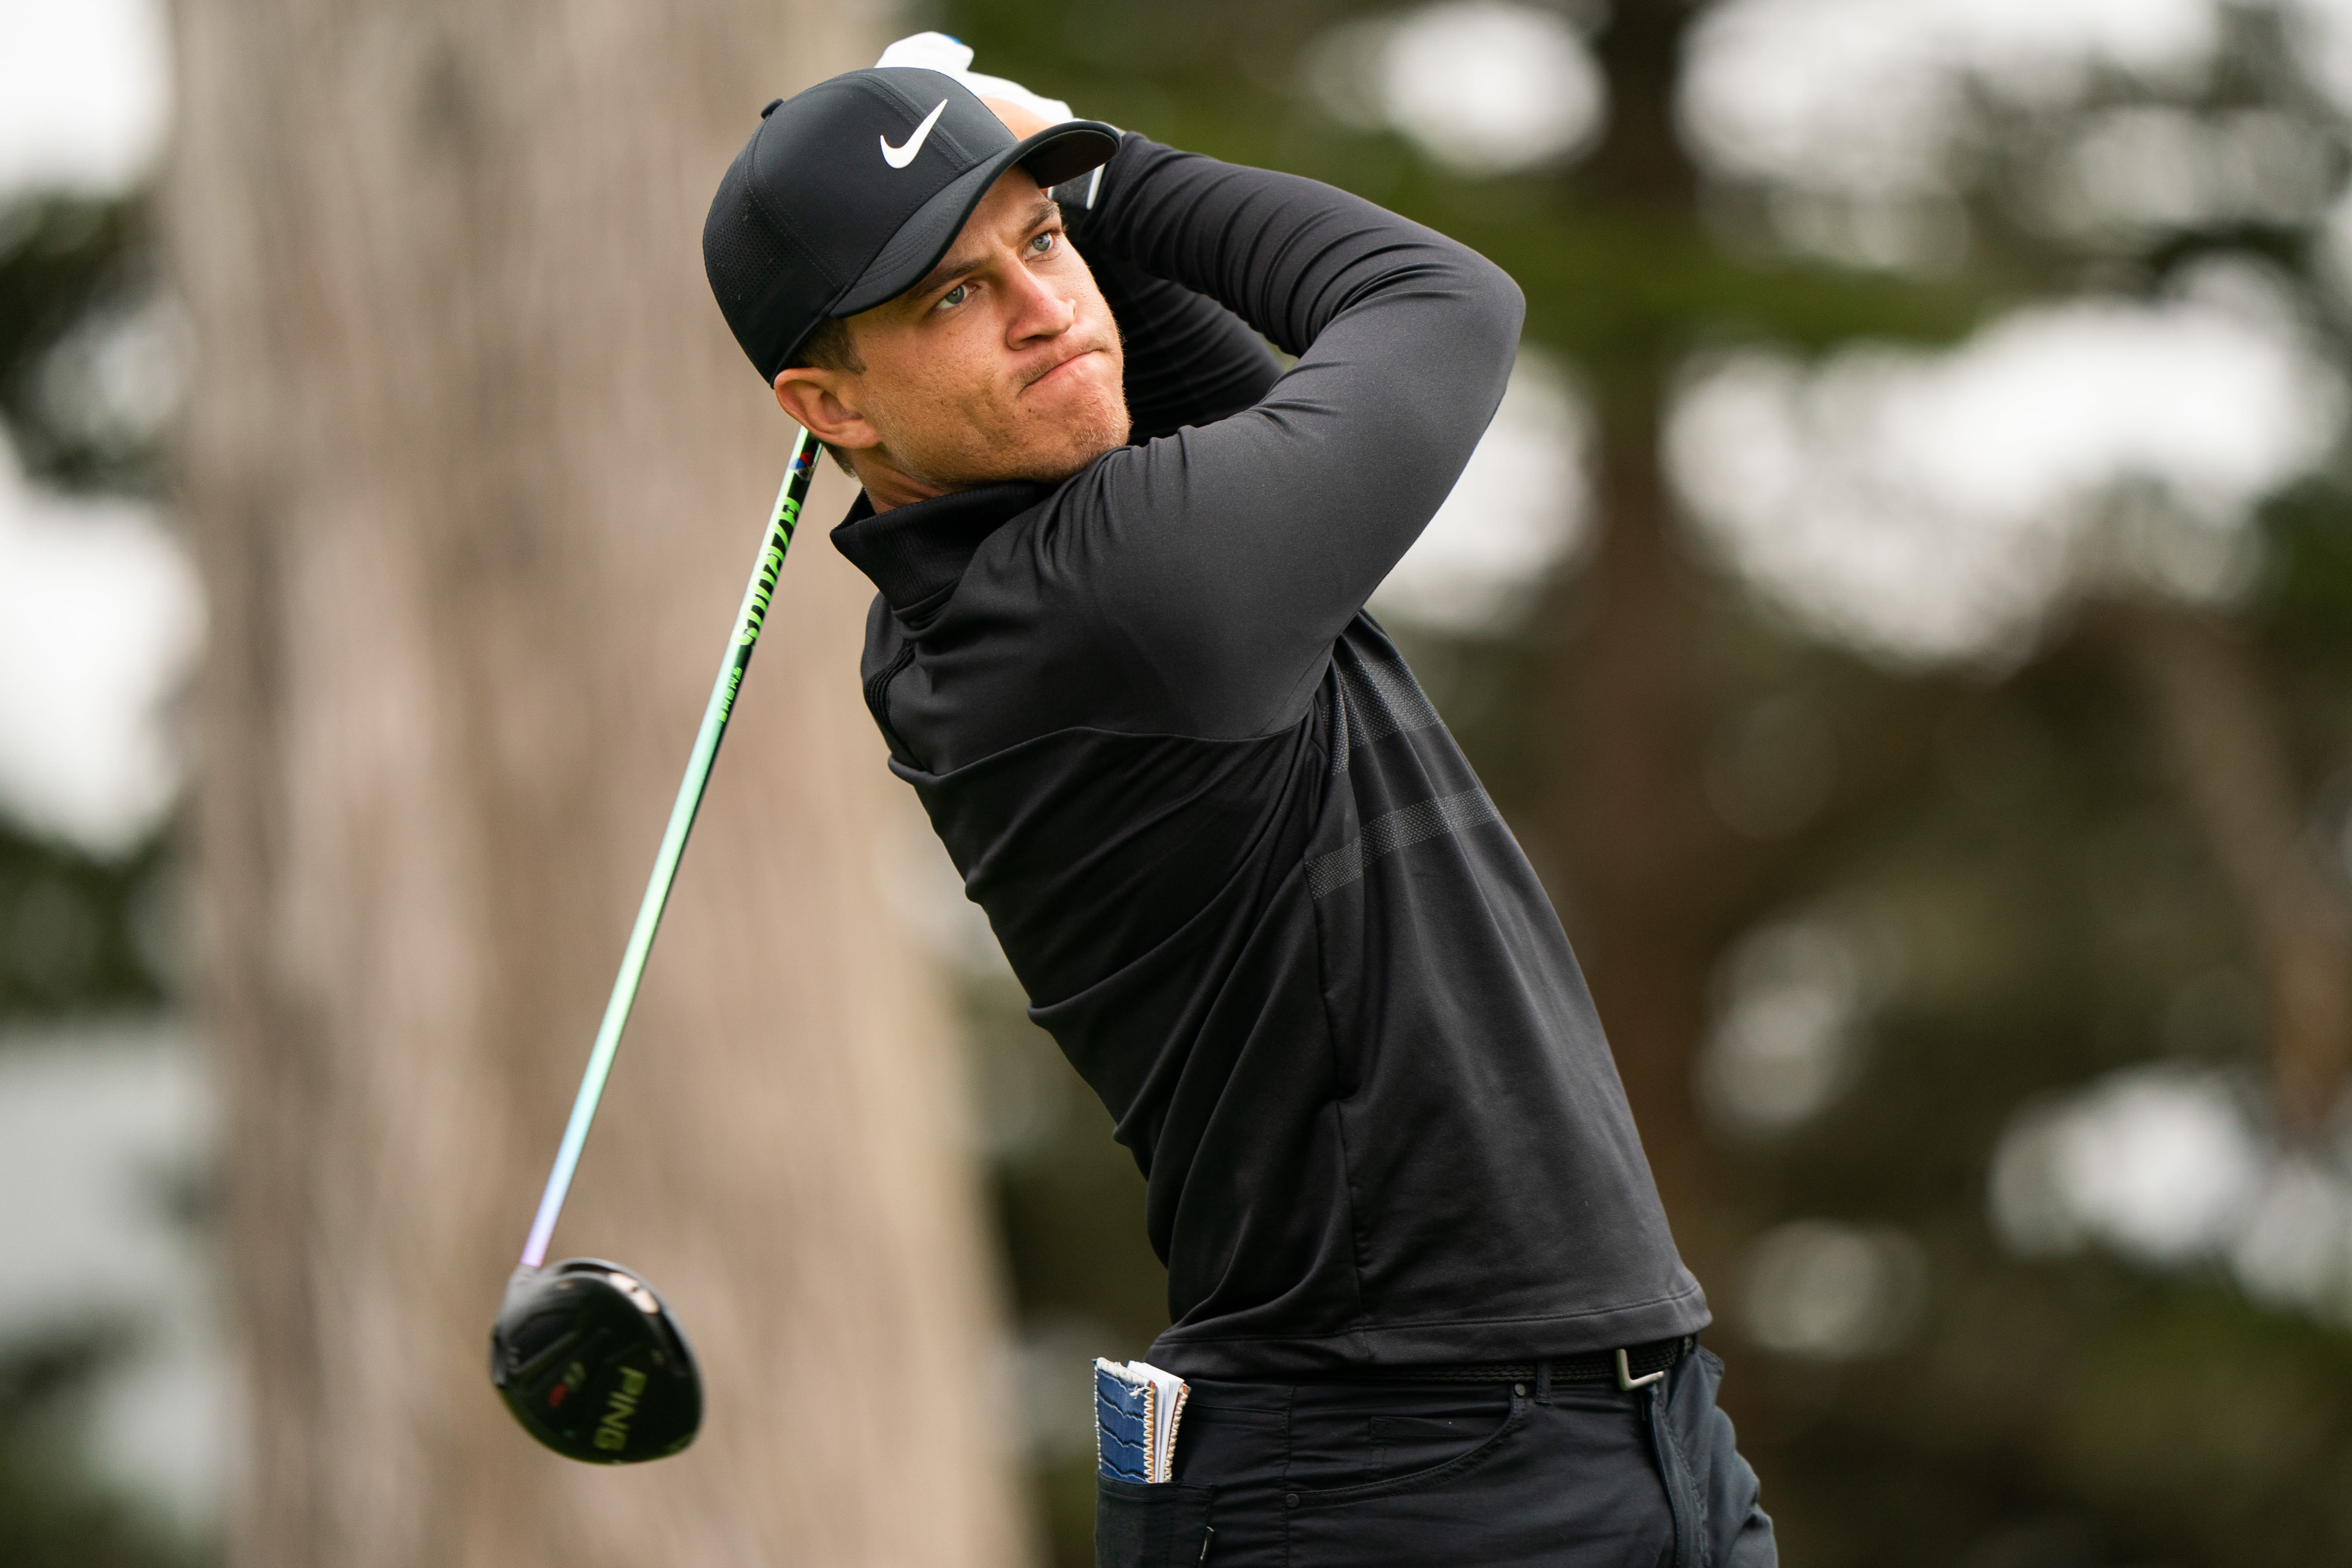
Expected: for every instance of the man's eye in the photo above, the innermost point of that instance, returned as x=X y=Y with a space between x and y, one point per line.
x=1043 y=243
x=953 y=297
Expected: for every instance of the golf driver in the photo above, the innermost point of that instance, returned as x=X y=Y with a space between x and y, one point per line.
x=584 y=1353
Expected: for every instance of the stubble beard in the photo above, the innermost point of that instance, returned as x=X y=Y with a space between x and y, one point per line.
x=1102 y=427
x=1048 y=453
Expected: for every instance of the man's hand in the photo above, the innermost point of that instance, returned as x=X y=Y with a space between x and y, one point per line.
x=1025 y=113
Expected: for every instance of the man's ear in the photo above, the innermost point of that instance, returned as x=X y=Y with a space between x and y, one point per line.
x=815 y=400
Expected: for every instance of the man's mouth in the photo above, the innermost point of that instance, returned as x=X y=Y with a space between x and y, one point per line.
x=1050 y=375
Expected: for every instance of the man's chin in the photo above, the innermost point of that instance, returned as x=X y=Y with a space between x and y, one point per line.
x=1068 y=440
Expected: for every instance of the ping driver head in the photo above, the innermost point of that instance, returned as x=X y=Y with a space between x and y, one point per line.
x=592 y=1365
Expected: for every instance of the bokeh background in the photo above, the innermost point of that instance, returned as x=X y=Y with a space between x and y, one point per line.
x=1903 y=605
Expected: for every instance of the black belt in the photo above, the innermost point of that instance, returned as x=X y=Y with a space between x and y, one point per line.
x=1635 y=1366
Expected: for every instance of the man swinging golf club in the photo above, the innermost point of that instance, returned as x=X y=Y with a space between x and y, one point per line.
x=1421 y=1284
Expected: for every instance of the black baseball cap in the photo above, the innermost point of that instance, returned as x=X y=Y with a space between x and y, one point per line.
x=848 y=193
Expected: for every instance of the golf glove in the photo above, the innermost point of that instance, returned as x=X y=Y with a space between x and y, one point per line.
x=951 y=56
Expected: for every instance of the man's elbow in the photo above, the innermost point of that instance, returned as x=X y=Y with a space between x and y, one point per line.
x=1500 y=306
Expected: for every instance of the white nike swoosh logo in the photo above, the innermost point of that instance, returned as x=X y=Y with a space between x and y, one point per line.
x=899 y=157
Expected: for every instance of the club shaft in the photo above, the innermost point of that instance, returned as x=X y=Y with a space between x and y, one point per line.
x=778 y=539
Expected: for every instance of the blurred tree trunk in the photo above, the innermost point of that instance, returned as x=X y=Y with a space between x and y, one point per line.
x=2214 y=711
x=1637 y=825
x=475 y=474
x=1645 y=850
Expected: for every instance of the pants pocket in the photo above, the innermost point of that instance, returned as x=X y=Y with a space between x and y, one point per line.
x=1164 y=1525
x=1409 y=1455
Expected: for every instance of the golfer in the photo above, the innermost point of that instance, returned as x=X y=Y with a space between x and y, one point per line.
x=1419 y=1277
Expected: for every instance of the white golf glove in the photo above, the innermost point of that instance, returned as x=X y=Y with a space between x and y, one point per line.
x=937 y=51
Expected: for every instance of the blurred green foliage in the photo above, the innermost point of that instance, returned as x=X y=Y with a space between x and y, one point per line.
x=2026 y=829
x=52 y=1516
x=81 y=934
x=69 y=264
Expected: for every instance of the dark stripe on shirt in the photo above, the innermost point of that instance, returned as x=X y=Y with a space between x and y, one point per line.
x=1395 y=830
x=1377 y=700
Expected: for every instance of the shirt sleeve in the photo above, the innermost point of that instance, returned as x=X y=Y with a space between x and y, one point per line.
x=1190 y=360
x=1217 y=564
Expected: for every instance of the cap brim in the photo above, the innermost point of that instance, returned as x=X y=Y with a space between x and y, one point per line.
x=1057 y=153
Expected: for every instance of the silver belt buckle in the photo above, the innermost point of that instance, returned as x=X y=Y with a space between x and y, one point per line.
x=1628 y=1382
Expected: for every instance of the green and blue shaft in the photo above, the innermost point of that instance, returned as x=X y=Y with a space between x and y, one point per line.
x=778 y=539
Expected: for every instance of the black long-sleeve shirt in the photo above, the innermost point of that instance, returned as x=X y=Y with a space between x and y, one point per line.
x=1249 y=881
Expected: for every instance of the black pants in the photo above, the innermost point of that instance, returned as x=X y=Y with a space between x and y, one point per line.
x=1360 y=1474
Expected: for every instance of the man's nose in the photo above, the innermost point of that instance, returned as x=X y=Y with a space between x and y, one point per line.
x=1041 y=310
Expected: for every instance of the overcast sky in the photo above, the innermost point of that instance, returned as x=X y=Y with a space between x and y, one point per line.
x=1922 y=505
x=84 y=90
x=98 y=612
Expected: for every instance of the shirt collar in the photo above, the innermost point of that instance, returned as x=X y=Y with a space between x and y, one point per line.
x=912 y=552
